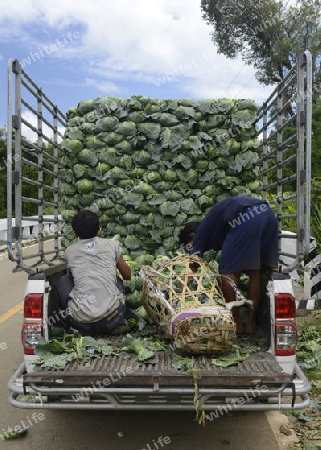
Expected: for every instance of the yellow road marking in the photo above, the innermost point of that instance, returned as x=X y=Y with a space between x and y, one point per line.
x=11 y=312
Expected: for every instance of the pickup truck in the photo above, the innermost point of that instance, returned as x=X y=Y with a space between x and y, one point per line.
x=269 y=379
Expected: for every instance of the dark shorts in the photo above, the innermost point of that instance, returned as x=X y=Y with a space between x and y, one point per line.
x=252 y=242
x=105 y=325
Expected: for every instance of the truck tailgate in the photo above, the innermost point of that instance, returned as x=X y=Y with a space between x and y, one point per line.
x=126 y=370
x=123 y=382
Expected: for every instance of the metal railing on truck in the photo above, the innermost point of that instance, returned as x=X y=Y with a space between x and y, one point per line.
x=34 y=128
x=285 y=121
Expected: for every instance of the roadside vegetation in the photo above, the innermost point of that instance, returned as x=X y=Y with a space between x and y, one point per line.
x=307 y=423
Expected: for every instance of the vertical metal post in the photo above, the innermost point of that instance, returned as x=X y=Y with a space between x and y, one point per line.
x=279 y=158
x=40 y=161
x=55 y=181
x=308 y=131
x=9 y=162
x=301 y=175
x=265 y=150
x=17 y=159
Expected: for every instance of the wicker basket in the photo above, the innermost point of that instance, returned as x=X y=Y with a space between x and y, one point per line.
x=189 y=304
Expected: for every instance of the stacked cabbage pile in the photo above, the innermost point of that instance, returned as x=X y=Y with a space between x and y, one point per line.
x=147 y=166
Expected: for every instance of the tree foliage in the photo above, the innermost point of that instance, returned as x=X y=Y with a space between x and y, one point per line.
x=268 y=34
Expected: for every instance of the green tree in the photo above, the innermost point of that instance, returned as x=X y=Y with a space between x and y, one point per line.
x=268 y=34
x=316 y=140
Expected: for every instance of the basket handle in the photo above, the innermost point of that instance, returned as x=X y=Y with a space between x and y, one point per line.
x=146 y=271
x=240 y=299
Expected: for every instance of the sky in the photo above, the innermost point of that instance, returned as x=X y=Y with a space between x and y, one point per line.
x=80 y=49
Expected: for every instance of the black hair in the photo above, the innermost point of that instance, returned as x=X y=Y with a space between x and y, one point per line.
x=85 y=224
x=185 y=235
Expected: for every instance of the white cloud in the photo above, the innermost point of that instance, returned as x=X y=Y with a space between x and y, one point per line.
x=104 y=86
x=132 y=41
x=31 y=135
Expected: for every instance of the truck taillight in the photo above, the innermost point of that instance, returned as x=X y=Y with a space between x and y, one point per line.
x=33 y=306
x=285 y=307
x=285 y=339
x=30 y=334
x=285 y=325
x=32 y=328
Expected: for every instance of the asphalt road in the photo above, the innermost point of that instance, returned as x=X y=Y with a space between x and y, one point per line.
x=134 y=430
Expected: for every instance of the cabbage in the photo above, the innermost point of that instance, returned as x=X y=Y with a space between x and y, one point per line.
x=156 y=199
x=166 y=119
x=74 y=133
x=131 y=199
x=127 y=129
x=125 y=162
x=108 y=156
x=129 y=217
x=124 y=147
x=144 y=188
x=185 y=112
x=105 y=203
x=170 y=208
x=144 y=208
x=67 y=189
x=247 y=104
x=201 y=166
x=93 y=143
x=136 y=116
x=116 y=173
x=172 y=137
x=90 y=117
x=67 y=175
x=182 y=160
x=111 y=138
x=108 y=123
x=131 y=242
x=72 y=145
x=169 y=175
x=85 y=106
x=87 y=128
x=188 y=206
x=141 y=158
x=150 y=130
x=102 y=168
x=81 y=170
x=68 y=214
x=152 y=108
x=72 y=113
x=244 y=119
x=88 y=157
x=84 y=186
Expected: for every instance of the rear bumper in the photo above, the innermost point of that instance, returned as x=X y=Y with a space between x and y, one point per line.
x=282 y=395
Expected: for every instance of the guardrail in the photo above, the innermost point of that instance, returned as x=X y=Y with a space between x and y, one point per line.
x=30 y=227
